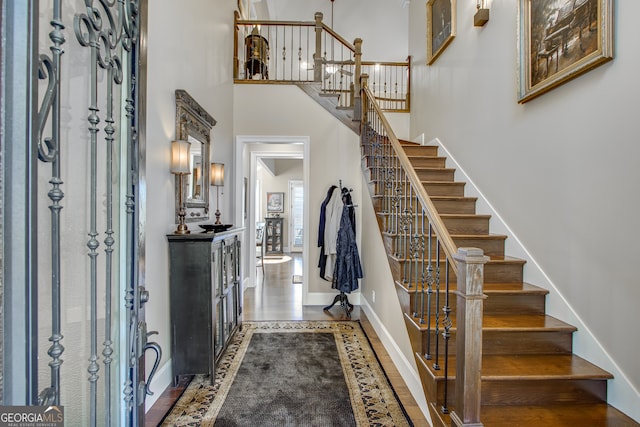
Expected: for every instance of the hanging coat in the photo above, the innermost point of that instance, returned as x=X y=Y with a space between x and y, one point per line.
x=331 y=227
x=322 y=261
x=347 y=268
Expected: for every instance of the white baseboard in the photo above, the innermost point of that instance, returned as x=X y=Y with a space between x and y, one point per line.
x=162 y=379
x=406 y=369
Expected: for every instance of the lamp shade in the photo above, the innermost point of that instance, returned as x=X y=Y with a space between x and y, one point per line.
x=180 y=157
x=217 y=174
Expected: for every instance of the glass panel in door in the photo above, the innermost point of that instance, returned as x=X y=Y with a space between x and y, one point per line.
x=296 y=225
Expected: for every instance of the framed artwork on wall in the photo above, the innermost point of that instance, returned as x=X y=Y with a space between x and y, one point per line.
x=441 y=27
x=559 y=40
x=275 y=202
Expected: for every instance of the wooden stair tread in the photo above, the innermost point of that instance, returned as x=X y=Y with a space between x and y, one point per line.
x=454 y=215
x=425 y=168
x=529 y=367
x=489 y=236
x=510 y=322
x=373 y=181
x=492 y=259
x=491 y=288
x=453 y=198
x=561 y=415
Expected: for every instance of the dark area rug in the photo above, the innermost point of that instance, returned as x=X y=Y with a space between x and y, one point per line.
x=292 y=374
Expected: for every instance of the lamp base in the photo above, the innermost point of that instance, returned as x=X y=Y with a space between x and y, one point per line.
x=217 y=217
x=182 y=229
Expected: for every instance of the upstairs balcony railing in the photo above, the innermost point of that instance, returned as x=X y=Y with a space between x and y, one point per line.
x=301 y=52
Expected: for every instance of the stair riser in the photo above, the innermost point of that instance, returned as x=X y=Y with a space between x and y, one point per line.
x=446 y=175
x=495 y=303
x=455 y=189
x=432 y=174
x=428 y=162
x=532 y=392
x=474 y=225
x=465 y=206
x=461 y=206
x=545 y=392
x=490 y=246
x=505 y=342
x=448 y=189
x=416 y=162
x=493 y=272
x=421 y=150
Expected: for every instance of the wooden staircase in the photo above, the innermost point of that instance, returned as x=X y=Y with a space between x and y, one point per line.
x=530 y=376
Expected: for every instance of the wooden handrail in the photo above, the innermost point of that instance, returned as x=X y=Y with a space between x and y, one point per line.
x=397 y=64
x=439 y=228
x=338 y=37
x=274 y=23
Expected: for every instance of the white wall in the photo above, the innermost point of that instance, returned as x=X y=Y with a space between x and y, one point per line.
x=189 y=47
x=561 y=170
x=383 y=32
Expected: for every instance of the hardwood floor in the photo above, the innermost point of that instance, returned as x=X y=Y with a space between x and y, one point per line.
x=275 y=297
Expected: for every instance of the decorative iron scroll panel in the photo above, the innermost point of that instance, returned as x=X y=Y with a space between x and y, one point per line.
x=88 y=240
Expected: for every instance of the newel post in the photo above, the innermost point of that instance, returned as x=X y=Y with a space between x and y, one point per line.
x=317 y=56
x=357 y=100
x=362 y=111
x=470 y=298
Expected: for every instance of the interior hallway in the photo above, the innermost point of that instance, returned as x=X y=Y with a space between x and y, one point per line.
x=276 y=297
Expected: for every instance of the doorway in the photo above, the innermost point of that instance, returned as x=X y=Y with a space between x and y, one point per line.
x=251 y=152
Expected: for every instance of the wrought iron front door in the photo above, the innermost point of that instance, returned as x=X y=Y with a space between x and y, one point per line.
x=74 y=331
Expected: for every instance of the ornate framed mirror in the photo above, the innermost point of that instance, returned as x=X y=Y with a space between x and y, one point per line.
x=194 y=124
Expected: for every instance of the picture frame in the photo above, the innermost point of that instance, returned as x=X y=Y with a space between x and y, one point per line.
x=441 y=27
x=243 y=9
x=275 y=202
x=559 y=40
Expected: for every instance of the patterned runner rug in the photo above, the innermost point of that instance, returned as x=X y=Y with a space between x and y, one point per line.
x=300 y=373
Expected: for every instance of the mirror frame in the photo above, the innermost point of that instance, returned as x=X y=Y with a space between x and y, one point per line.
x=194 y=121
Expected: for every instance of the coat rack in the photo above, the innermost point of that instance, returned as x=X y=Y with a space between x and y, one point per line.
x=342 y=297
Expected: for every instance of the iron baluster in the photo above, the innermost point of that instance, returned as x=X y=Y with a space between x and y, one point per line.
x=114 y=72
x=437 y=305
x=49 y=152
x=409 y=256
x=422 y=275
x=446 y=335
x=419 y=243
x=429 y=295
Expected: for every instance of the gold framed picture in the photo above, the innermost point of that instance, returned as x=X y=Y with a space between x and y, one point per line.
x=559 y=40
x=275 y=202
x=441 y=27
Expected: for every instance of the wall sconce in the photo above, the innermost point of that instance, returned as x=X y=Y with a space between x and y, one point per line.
x=180 y=166
x=217 y=179
x=482 y=14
